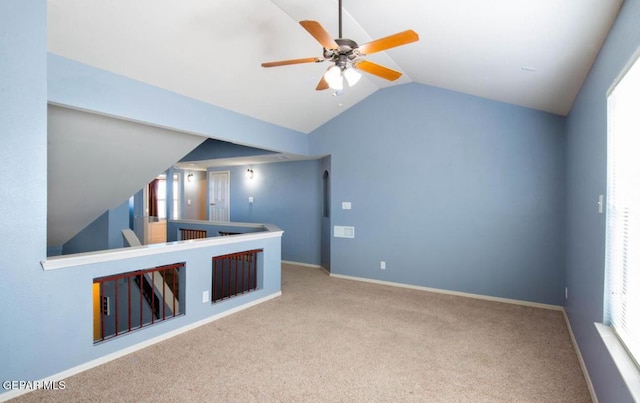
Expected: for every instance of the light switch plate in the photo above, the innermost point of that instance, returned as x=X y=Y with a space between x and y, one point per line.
x=344 y=232
x=601 y=204
x=346 y=205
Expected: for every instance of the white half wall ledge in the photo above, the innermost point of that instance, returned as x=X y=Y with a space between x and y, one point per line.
x=79 y=259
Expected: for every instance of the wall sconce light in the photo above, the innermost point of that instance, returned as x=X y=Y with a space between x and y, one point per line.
x=250 y=173
x=189 y=177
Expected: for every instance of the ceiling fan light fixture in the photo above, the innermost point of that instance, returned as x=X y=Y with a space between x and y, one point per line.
x=344 y=55
x=352 y=76
x=333 y=76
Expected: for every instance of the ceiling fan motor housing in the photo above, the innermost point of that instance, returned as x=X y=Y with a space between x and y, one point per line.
x=345 y=53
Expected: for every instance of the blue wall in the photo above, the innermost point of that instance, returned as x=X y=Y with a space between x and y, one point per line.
x=286 y=194
x=105 y=232
x=196 y=192
x=452 y=191
x=27 y=329
x=213 y=149
x=81 y=86
x=586 y=179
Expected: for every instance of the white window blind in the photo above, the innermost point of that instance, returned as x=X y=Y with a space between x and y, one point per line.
x=622 y=302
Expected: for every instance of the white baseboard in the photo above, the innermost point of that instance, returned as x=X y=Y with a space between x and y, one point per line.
x=121 y=353
x=587 y=378
x=326 y=271
x=448 y=292
x=315 y=266
x=428 y=289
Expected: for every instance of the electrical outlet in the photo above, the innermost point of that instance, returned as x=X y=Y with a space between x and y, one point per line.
x=383 y=265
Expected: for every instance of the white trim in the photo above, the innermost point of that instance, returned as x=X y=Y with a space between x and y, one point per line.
x=585 y=372
x=314 y=266
x=456 y=293
x=623 y=72
x=628 y=369
x=79 y=259
x=131 y=349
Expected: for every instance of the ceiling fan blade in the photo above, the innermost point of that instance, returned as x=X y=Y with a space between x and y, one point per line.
x=322 y=85
x=378 y=70
x=293 y=61
x=317 y=31
x=388 y=42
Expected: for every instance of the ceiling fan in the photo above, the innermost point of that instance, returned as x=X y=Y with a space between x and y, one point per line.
x=346 y=55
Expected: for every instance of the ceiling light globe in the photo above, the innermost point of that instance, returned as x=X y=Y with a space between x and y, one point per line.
x=352 y=76
x=333 y=77
x=338 y=84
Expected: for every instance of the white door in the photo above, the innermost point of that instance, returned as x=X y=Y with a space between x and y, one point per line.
x=219 y=196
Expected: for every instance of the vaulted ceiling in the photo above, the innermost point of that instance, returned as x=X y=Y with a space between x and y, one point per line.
x=533 y=53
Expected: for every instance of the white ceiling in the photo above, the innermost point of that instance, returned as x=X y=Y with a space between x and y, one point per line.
x=212 y=50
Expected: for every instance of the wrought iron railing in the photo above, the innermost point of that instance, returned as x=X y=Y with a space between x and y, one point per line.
x=186 y=234
x=234 y=274
x=133 y=300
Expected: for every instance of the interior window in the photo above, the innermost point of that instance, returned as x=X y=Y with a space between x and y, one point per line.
x=159 y=197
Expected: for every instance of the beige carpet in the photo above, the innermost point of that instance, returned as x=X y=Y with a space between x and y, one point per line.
x=334 y=340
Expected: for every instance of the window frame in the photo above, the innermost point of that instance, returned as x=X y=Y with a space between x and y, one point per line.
x=623 y=358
